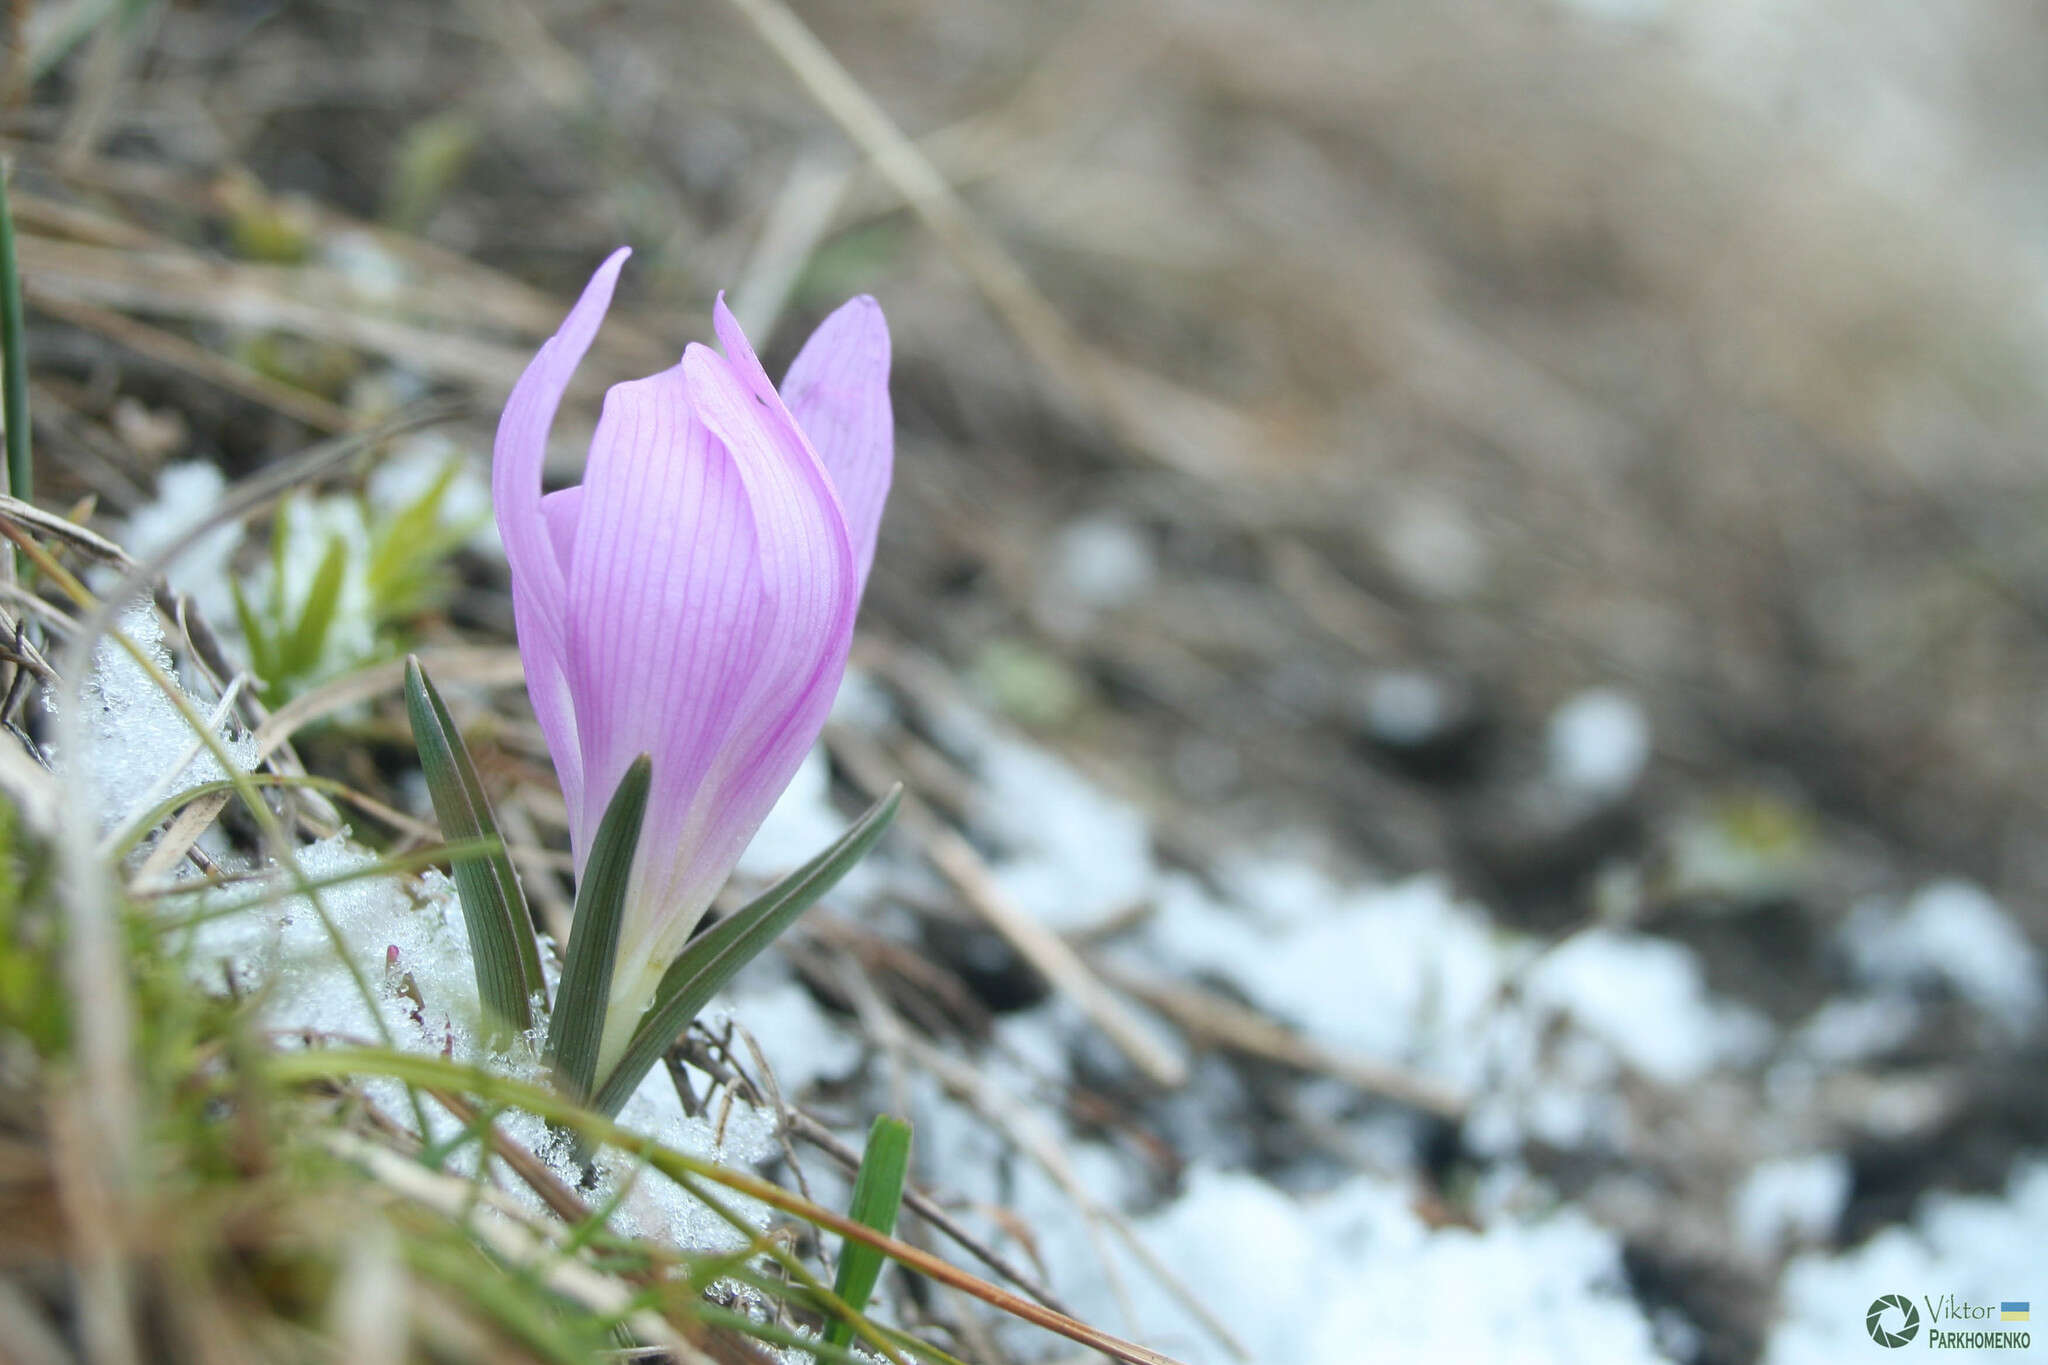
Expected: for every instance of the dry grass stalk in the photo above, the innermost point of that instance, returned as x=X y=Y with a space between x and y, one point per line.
x=1192 y=432
x=1210 y=1017
x=959 y=862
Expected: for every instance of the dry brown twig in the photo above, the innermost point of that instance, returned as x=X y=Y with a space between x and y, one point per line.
x=924 y=1203
x=1215 y=1018
x=194 y=359
x=1042 y=1145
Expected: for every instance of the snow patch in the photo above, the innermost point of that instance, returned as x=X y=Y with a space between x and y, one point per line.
x=138 y=746
x=1598 y=742
x=1405 y=707
x=371 y=955
x=186 y=494
x=1356 y=1274
x=1067 y=852
x=1646 y=999
x=1789 y=1202
x=1955 y=935
x=1981 y=1249
x=802 y=1043
x=1853 y=1029
x=1103 y=562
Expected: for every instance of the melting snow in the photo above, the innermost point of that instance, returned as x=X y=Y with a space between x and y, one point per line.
x=1790 y=1202
x=1354 y=1274
x=185 y=494
x=1646 y=999
x=1102 y=562
x=1954 y=935
x=1406 y=973
x=1982 y=1250
x=1069 y=854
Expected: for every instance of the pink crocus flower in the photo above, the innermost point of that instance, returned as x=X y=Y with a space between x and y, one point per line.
x=693 y=598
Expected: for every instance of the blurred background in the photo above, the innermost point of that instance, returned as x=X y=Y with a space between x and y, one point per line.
x=1585 y=453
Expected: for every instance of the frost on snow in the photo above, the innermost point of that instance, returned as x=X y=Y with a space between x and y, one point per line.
x=139 y=748
x=412 y=982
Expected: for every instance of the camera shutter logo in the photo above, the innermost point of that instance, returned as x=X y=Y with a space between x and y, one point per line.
x=1882 y=1335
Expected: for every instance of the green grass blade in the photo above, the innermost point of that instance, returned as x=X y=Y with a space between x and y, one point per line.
x=280 y=536
x=576 y=1028
x=406 y=551
x=262 y=656
x=877 y=1196
x=309 y=638
x=501 y=938
x=14 y=376
x=713 y=957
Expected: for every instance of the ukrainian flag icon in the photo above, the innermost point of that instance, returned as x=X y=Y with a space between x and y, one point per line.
x=2012 y=1310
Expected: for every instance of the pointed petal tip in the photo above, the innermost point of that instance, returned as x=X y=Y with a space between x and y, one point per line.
x=739 y=351
x=859 y=328
x=596 y=297
x=608 y=269
x=700 y=359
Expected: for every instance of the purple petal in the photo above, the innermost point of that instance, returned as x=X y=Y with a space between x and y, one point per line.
x=521 y=449
x=746 y=366
x=538 y=579
x=554 y=706
x=694 y=598
x=560 y=509
x=838 y=390
x=664 y=600
x=804 y=564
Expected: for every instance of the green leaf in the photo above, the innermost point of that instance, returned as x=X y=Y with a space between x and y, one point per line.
x=877 y=1195
x=280 y=537
x=501 y=939
x=576 y=1028
x=302 y=651
x=406 y=570
x=714 y=956
x=262 y=656
x=14 y=361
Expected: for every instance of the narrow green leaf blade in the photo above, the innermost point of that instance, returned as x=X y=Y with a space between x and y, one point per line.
x=712 y=958
x=494 y=908
x=262 y=658
x=576 y=1028
x=877 y=1196
x=395 y=544
x=14 y=362
x=280 y=537
x=309 y=638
